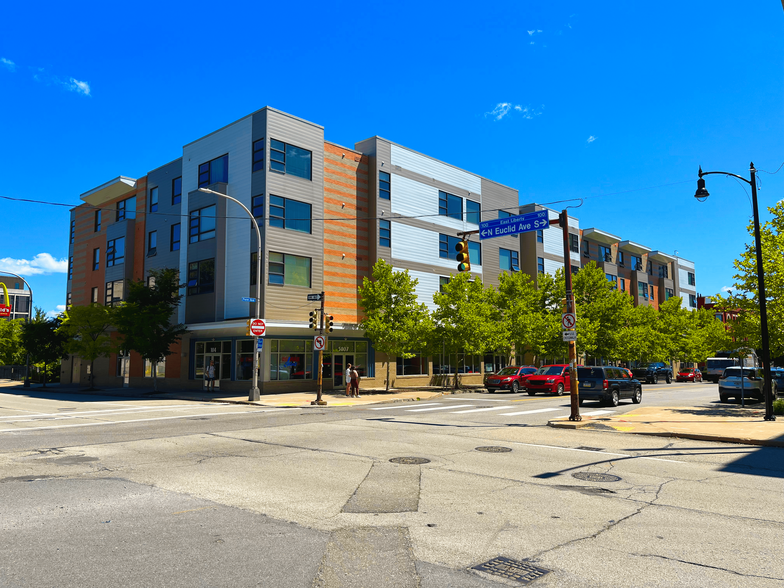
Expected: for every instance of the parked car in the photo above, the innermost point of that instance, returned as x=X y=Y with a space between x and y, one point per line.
x=653 y=372
x=753 y=384
x=552 y=379
x=689 y=375
x=607 y=385
x=509 y=378
x=777 y=374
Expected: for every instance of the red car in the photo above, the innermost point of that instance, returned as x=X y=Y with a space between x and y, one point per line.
x=552 y=379
x=510 y=378
x=689 y=375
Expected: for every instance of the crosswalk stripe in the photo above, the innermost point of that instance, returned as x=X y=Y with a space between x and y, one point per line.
x=478 y=409
x=438 y=408
x=399 y=406
x=530 y=411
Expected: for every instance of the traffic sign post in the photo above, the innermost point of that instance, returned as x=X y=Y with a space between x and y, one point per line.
x=258 y=327
x=318 y=401
x=319 y=342
x=568 y=320
x=569 y=335
x=514 y=225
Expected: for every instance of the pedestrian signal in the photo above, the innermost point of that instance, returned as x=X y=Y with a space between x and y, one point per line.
x=464 y=264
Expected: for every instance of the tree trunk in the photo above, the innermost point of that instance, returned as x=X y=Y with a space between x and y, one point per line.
x=387 y=374
x=92 y=375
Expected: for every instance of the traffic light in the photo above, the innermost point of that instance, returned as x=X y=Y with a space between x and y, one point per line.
x=314 y=323
x=329 y=323
x=464 y=264
x=247 y=327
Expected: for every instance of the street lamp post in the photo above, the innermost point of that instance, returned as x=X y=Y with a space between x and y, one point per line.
x=254 y=391
x=29 y=320
x=701 y=195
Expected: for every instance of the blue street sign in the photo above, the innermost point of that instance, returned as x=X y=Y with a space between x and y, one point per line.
x=246 y=299
x=501 y=227
x=260 y=344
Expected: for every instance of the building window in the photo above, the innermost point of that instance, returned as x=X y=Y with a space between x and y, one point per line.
x=257 y=208
x=447 y=244
x=442 y=281
x=69 y=299
x=253 y=257
x=202 y=224
x=174 y=243
x=289 y=159
x=574 y=243
x=258 y=155
x=96 y=258
x=504 y=214
x=620 y=259
x=152 y=243
x=623 y=284
x=289 y=270
x=663 y=271
x=289 y=214
x=97 y=224
x=540 y=265
x=586 y=248
x=605 y=253
x=719 y=317
x=412 y=366
x=292 y=359
x=450 y=205
x=384 y=185
x=214 y=171
x=385 y=233
x=691 y=279
x=114 y=292
x=150 y=281
x=73 y=230
x=94 y=295
x=473 y=212
x=176 y=190
x=575 y=269
x=509 y=260
x=611 y=278
x=160 y=368
x=668 y=293
x=636 y=263
x=642 y=288
x=650 y=268
x=115 y=252
x=70 y=268
x=201 y=277
x=126 y=209
x=153 y=199
x=692 y=301
x=540 y=236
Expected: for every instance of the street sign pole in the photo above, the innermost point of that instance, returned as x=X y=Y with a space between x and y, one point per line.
x=320 y=368
x=563 y=220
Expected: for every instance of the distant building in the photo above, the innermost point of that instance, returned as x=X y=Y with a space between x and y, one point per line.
x=19 y=298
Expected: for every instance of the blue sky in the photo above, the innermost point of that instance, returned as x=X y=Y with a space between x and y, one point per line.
x=615 y=102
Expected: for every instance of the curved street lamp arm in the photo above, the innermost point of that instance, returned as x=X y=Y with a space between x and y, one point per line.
x=702 y=173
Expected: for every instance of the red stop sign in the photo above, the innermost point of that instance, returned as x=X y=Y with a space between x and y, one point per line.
x=257 y=327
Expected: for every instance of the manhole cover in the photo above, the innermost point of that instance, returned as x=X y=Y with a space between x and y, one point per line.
x=494 y=449
x=511 y=569
x=410 y=460
x=594 y=477
x=586 y=448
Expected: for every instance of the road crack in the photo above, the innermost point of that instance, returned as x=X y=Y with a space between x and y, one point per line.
x=694 y=563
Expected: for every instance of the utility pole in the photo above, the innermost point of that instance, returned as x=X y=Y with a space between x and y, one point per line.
x=563 y=220
x=318 y=399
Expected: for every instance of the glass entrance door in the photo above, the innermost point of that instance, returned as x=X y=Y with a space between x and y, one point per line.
x=218 y=368
x=340 y=362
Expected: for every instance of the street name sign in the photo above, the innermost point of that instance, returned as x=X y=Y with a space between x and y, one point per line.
x=569 y=335
x=567 y=320
x=257 y=327
x=512 y=225
x=319 y=342
x=246 y=299
x=314 y=297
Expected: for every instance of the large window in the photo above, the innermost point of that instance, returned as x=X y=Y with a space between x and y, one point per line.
x=473 y=212
x=202 y=224
x=176 y=190
x=442 y=281
x=621 y=260
x=289 y=270
x=201 y=277
x=636 y=263
x=70 y=268
x=692 y=301
x=257 y=209
x=214 y=171
x=664 y=271
x=384 y=185
x=642 y=289
x=160 y=369
x=153 y=199
x=574 y=243
x=96 y=258
x=446 y=249
x=73 y=230
x=540 y=265
x=509 y=260
x=115 y=252
x=289 y=159
x=668 y=293
x=385 y=233
x=126 y=209
x=152 y=243
x=291 y=359
x=450 y=205
x=540 y=236
x=258 y=155
x=97 y=225
x=412 y=366
x=460 y=362
x=114 y=292
x=94 y=295
x=586 y=248
x=504 y=214
x=175 y=237
x=605 y=253
x=691 y=279
x=289 y=214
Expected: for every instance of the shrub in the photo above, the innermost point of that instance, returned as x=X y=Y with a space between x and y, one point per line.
x=778 y=406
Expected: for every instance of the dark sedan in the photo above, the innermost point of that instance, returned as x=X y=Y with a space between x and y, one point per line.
x=510 y=378
x=607 y=385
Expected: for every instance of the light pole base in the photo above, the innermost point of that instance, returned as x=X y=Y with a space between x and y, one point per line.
x=770 y=417
x=319 y=402
x=254 y=395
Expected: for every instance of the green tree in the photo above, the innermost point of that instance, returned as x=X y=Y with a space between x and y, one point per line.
x=87 y=331
x=144 y=321
x=552 y=290
x=641 y=339
x=42 y=339
x=11 y=349
x=393 y=320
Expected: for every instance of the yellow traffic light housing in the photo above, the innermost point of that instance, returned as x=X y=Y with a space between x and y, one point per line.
x=464 y=262
x=247 y=327
x=329 y=323
x=314 y=320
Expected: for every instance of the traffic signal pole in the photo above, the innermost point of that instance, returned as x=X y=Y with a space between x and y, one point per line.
x=319 y=386
x=563 y=220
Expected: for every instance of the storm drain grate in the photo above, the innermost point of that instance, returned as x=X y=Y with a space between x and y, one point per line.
x=511 y=569
x=595 y=477
x=494 y=449
x=410 y=460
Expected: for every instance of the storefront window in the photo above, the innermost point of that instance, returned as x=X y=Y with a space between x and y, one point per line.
x=291 y=359
x=217 y=351
x=160 y=369
x=244 y=368
x=462 y=363
x=412 y=366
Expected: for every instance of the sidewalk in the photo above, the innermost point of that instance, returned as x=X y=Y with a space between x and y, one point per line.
x=724 y=423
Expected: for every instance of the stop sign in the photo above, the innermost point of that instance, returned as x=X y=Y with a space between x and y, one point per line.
x=257 y=327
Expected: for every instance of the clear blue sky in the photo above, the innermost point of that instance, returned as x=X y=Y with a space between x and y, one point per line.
x=616 y=102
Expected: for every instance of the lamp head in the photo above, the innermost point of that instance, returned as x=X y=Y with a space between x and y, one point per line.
x=701 y=194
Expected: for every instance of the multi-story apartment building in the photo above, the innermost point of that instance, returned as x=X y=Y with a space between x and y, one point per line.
x=18 y=298
x=327 y=213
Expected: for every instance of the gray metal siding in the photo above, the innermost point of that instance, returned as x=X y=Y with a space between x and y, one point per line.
x=494 y=197
x=168 y=214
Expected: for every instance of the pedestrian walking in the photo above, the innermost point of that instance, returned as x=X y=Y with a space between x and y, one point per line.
x=347 y=379
x=355 y=382
x=209 y=376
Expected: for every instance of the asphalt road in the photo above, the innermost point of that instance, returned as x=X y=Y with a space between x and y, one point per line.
x=100 y=491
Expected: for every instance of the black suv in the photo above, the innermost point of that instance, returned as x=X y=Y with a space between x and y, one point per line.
x=607 y=384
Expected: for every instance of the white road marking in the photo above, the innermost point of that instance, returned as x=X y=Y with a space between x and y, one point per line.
x=480 y=409
x=59 y=415
x=530 y=411
x=438 y=408
x=399 y=406
x=102 y=424
x=479 y=399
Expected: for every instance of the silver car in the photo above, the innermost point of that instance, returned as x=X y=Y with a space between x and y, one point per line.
x=753 y=384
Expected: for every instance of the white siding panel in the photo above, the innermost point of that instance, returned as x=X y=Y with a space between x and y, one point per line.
x=550 y=267
x=412 y=198
x=553 y=240
x=437 y=170
x=428 y=285
x=421 y=246
x=683 y=280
